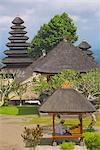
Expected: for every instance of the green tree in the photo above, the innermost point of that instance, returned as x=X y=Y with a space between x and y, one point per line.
x=87 y=83
x=6 y=87
x=50 y=34
x=19 y=89
x=9 y=87
x=32 y=136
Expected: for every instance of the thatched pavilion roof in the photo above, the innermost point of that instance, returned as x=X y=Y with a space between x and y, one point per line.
x=64 y=56
x=67 y=101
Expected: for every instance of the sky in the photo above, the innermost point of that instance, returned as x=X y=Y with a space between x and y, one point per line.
x=85 y=13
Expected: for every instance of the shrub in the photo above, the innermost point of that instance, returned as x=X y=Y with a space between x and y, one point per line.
x=89 y=130
x=27 y=109
x=31 y=137
x=67 y=146
x=92 y=140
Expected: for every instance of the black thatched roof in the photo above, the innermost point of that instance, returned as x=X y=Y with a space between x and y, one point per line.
x=14 y=44
x=18 y=38
x=17 y=53
x=11 y=52
x=1 y=65
x=18 y=32
x=17 y=20
x=8 y=60
x=67 y=101
x=18 y=27
x=64 y=56
x=84 y=45
x=89 y=52
x=29 y=70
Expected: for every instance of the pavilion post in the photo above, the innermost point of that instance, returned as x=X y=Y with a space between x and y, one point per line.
x=48 y=78
x=53 y=124
x=81 y=127
x=81 y=124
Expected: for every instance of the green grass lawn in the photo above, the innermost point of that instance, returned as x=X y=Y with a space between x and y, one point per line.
x=69 y=121
x=11 y=110
x=43 y=119
x=17 y=110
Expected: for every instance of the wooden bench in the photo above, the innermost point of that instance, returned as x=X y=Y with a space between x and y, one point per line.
x=67 y=136
x=75 y=131
x=55 y=137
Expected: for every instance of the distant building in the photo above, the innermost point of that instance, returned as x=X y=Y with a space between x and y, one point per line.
x=17 y=55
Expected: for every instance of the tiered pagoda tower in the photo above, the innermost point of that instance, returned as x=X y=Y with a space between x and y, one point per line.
x=85 y=46
x=17 y=55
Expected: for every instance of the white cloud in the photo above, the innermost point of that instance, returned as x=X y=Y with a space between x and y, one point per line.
x=75 y=18
x=76 y=5
x=84 y=20
x=2 y=8
x=27 y=1
x=5 y=20
x=86 y=28
x=79 y=19
x=85 y=14
x=28 y=14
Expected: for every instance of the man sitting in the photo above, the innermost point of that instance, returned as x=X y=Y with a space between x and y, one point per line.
x=59 y=129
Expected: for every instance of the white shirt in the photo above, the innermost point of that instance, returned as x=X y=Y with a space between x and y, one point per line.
x=59 y=129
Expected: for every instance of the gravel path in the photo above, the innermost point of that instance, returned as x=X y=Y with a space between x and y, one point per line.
x=10 y=132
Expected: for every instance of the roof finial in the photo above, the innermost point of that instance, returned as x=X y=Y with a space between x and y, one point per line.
x=66 y=84
x=84 y=39
x=84 y=45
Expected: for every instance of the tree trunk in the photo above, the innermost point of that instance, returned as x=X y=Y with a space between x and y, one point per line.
x=20 y=102
x=2 y=101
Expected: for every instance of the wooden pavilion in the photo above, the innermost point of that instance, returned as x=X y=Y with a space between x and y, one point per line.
x=67 y=101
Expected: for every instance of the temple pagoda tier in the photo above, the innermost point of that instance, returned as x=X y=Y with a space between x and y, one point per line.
x=17 y=55
x=85 y=46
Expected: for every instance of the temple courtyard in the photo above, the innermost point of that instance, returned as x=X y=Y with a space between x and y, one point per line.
x=11 y=128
